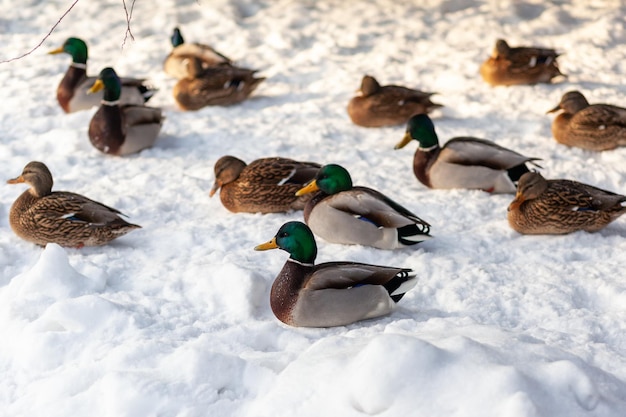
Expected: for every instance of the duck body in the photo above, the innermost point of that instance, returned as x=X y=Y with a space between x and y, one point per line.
x=42 y=216
x=266 y=185
x=121 y=129
x=595 y=127
x=561 y=206
x=463 y=162
x=215 y=86
x=176 y=65
x=520 y=65
x=389 y=105
x=333 y=293
x=72 y=92
x=359 y=215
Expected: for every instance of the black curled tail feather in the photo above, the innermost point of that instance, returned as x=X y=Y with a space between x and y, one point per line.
x=413 y=233
x=393 y=286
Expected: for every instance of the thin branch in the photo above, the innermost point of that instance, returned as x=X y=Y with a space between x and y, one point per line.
x=128 y=18
x=45 y=37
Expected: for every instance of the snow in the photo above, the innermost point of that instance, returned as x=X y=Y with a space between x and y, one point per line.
x=174 y=319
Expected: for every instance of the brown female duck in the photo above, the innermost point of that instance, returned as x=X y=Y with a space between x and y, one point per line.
x=561 y=206
x=267 y=185
x=121 y=129
x=43 y=216
x=214 y=86
x=520 y=65
x=72 y=91
x=389 y=105
x=596 y=127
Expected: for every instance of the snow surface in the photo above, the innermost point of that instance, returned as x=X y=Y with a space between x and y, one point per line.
x=174 y=320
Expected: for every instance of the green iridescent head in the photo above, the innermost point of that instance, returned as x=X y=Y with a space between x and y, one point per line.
x=77 y=48
x=295 y=238
x=421 y=129
x=110 y=82
x=333 y=178
x=177 y=38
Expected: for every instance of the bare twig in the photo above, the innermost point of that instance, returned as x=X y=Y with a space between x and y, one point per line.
x=129 y=16
x=45 y=37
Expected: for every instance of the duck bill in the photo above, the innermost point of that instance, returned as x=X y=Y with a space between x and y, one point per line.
x=17 y=180
x=267 y=245
x=557 y=108
x=309 y=188
x=216 y=187
x=405 y=141
x=56 y=51
x=97 y=86
x=516 y=203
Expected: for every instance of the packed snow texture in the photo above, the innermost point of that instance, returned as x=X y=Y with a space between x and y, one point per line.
x=174 y=319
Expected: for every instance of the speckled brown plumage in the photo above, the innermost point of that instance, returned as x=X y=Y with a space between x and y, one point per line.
x=266 y=185
x=42 y=216
x=596 y=127
x=389 y=105
x=520 y=65
x=561 y=206
x=214 y=86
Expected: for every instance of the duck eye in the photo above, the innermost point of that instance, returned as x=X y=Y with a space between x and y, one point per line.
x=283 y=234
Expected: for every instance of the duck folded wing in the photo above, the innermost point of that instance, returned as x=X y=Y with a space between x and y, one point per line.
x=599 y=117
x=281 y=171
x=474 y=151
x=75 y=207
x=341 y=275
x=587 y=197
x=373 y=206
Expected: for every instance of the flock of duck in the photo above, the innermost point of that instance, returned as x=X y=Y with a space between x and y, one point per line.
x=332 y=293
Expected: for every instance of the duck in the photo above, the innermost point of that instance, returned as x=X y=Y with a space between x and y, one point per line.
x=266 y=185
x=377 y=106
x=342 y=213
x=175 y=65
x=332 y=293
x=214 y=86
x=118 y=129
x=595 y=127
x=520 y=65
x=72 y=91
x=561 y=206
x=43 y=216
x=463 y=162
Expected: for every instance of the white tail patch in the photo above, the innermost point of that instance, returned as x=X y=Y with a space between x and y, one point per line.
x=407 y=285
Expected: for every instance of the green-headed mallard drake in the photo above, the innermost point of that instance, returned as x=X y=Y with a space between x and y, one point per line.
x=596 y=127
x=332 y=293
x=175 y=63
x=118 y=129
x=72 y=91
x=463 y=162
x=389 y=105
x=561 y=206
x=214 y=86
x=42 y=216
x=342 y=213
x=267 y=185
x=521 y=65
